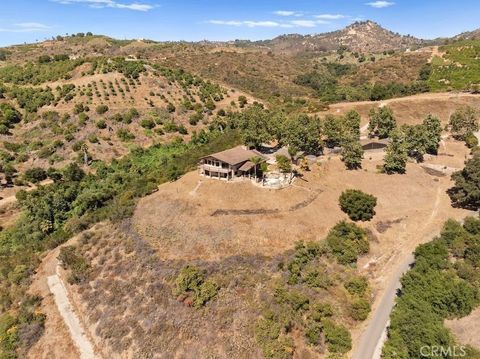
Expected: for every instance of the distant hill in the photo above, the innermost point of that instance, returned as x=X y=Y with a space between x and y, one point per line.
x=468 y=35
x=366 y=36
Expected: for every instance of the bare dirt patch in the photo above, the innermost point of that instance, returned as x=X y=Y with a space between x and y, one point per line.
x=238 y=218
x=413 y=109
x=465 y=329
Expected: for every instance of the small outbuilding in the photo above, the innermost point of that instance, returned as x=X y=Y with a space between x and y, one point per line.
x=235 y=162
x=372 y=144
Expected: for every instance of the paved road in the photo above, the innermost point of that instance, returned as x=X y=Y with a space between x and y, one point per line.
x=70 y=318
x=370 y=346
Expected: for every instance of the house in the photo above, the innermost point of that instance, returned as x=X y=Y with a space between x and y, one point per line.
x=235 y=162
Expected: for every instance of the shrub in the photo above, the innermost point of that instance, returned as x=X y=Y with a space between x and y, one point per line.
x=125 y=135
x=337 y=337
x=319 y=311
x=471 y=140
x=313 y=331
x=192 y=280
x=360 y=309
x=79 y=108
x=295 y=299
x=242 y=101
x=189 y=279
x=347 y=241
x=205 y=292
x=358 y=205
x=316 y=278
x=92 y=138
x=35 y=175
x=71 y=259
x=101 y=124
x=273 y=344
x=357 y=285
x=182 y=130
x=195 y=118
x=101 y=109
x=147 y=123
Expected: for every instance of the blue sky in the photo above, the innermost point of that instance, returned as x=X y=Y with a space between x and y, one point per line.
x=30 y=20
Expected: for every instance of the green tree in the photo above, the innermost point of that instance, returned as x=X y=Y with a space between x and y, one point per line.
x=466 y=191
x=284 y=163
x=352 y=154
x=254 y=124
x=351 y=124
x=358 y=205
x=382 y=122
x=302 y=133
x=332 y=131
x=416 y=141
x=256 y=160
x=434 y=133
x=396 y=156
x=462 y=122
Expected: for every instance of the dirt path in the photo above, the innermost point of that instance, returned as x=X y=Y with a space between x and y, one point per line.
x=58 y=341
x=71 y=320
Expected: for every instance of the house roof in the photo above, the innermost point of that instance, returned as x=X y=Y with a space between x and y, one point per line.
x=366 y=141
x=235 y=155
x=247 y=166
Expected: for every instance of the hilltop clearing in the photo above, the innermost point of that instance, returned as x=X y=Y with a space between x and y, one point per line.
x=413 y=108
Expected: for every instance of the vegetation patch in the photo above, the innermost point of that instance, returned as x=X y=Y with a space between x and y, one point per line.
x=443 y=284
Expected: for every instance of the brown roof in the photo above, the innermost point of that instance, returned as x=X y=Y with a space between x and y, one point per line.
x=366 y=141
x=235 y=155
x=247 y=166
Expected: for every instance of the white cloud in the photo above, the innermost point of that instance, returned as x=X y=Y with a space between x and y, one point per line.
x=330 y=16
x=280 y=24
x=287 y=13
x=304 y=23
x=380 y=4
x=26 y=27
x=100 y=4
x=247 y=23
